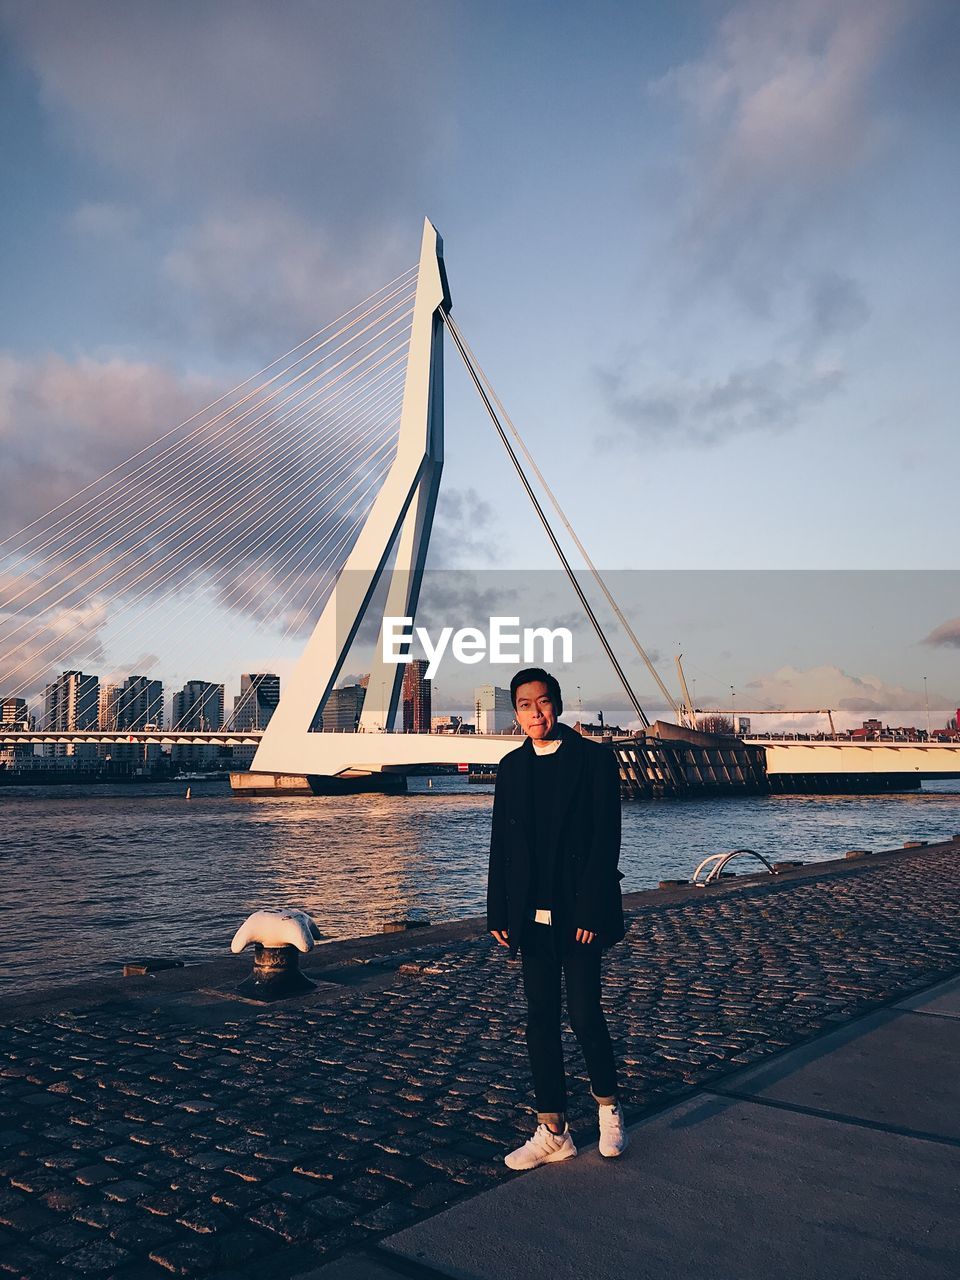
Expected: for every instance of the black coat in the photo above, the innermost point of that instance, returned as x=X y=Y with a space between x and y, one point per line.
x=587 y=891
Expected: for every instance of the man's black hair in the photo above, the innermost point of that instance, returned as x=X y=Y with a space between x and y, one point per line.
x=529 y=675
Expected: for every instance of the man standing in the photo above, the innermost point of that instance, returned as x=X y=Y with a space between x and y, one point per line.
x=553 y=893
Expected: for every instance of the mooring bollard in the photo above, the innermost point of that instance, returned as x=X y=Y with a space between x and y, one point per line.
x=278 y=937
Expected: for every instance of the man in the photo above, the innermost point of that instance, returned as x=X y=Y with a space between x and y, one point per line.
x=553 y=893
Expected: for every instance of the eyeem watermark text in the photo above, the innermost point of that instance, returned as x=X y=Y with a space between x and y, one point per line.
x=503 y=642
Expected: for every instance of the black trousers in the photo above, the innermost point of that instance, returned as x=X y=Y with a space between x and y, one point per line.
x=579 y=967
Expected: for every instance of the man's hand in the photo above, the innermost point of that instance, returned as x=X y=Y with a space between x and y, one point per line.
x=501 y=936
x=585 y=935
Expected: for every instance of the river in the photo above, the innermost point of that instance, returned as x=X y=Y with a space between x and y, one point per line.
x=91 y=876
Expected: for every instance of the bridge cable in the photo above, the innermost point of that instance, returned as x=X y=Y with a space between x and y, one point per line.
x=621 y=674
x=409 y=275
x=225 y=482
x=368 y=487
x=327 y=556
x=310 y=482
x=671 y=701
x=313 y=401
x=151 y=589
x=308 y=565
x=211 y=465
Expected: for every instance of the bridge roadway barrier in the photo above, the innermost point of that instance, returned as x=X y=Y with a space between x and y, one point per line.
x=159 y=1125
x=898 y=761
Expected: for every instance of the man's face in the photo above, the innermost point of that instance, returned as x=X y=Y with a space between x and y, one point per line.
x=536 y=714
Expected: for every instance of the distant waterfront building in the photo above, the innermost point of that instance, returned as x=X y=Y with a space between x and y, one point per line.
x=15 y=714
x=599 y=730
x=416 y=697
x=493 y=709
x=198 y=706
x=447 y=724
x=139 y=703
x=16 y=756
x=257 y=700
x=107 y=715
x=341 y=712
x=14 y=711
x=71 y=703
x=252 y=708
x=868 y=729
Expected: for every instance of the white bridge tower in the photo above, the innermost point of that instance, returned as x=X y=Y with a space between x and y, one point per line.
x=400 y=520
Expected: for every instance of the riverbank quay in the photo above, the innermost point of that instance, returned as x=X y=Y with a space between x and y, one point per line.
x=157 y=1126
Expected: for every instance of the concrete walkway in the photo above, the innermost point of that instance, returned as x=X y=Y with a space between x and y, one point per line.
x=837 y=1160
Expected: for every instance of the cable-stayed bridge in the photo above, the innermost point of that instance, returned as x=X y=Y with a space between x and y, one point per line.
x=304 y=493
x=295 y=496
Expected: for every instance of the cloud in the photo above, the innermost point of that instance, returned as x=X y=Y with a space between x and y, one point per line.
x=616 y=709
x=770 y=397
x=26 y=667
x=65 y=422
x=780 y=111
x=252 y=513
x=837 y=304
x=277 y=160
x=105 y=220
x=855 y=697
x=178 y=92
x=464 y=531
x=779 y=130
x=264 y=274
x=946 y=636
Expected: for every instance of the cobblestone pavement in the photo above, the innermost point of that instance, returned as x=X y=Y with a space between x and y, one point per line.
x=144 y=1140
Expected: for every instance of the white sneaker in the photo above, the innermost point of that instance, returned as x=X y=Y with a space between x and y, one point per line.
x=543 y=1148
x=613 y=1134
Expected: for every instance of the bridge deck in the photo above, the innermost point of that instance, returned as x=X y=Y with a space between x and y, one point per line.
x=367 y=752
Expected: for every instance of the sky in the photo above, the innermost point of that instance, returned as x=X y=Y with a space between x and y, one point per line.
x=705 y=252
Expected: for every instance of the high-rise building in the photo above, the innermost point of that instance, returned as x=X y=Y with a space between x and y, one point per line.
x=252 y=708
x=71 y=703
x=341 y=711
x=139 y=702
x=493 y=708
x=15 y=714
x=198 y=706
x=107 y=716
x=416 y=697
x=14 y=711
x=256 y=702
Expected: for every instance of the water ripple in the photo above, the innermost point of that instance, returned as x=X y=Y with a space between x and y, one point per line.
x=92 y=876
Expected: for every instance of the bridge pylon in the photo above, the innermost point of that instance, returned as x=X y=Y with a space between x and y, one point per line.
x=399 y=522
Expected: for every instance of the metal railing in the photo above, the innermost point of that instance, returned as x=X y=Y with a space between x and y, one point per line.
x=718 y=861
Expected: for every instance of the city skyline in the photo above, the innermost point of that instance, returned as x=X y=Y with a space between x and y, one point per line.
x=78 y=700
